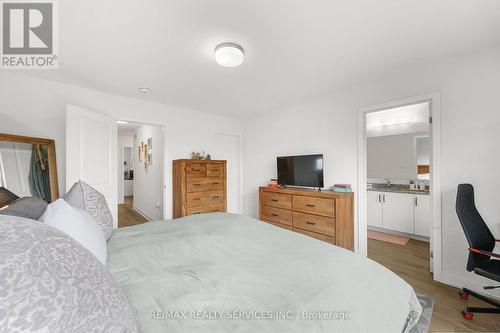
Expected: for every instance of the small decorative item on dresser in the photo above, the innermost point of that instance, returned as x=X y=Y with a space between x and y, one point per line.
x=200 y=156
x=273 y=183
x=342 y=188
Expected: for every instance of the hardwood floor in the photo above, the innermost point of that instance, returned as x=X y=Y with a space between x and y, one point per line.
x=411 y=263
x=127 y=216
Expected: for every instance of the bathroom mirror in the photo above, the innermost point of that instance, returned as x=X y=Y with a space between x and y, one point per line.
x=27 y=168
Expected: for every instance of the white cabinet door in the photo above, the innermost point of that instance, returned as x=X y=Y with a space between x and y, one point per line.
x=91 y=153
x=399 y=212
x=374 y=209
x=423 y=215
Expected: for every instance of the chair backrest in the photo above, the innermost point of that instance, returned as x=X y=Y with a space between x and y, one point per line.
x=476 y=231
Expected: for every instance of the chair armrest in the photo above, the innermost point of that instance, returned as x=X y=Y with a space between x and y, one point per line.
x=485 y=253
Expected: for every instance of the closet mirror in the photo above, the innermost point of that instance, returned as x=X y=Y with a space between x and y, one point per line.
x=27 y=168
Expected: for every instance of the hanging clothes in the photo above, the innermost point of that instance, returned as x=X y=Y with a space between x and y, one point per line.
x=39 y=177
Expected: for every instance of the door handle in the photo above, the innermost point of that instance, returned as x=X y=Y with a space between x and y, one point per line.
x=383 y=197
x=416 y=201
x=379 y=197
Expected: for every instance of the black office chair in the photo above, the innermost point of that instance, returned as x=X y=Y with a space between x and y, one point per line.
x=481 y=243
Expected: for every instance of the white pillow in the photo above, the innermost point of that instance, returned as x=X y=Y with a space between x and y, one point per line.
x=79 y=225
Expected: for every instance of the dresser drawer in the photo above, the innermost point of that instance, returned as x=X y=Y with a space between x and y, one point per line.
x=205 y=209
x=196 y=170
x=204 y=184
x=215 y=170
x=277 y=215
x=319 y=206
x=277 y=200
x=315 y=223
x=195 y=199
x=284 y=226
x=322 y=237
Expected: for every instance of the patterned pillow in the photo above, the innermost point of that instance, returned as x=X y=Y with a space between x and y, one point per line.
x=83 y=196
x=28 y=207
x=50 y=283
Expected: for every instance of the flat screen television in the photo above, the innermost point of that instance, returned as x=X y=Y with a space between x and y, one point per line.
x=302 y=170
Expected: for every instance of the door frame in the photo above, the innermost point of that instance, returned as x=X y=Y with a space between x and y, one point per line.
x=120 y=172
x=361 y=239
x=240 y=147
x=165 y=157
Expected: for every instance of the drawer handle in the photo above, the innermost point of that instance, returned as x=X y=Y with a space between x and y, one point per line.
x=196 y=198
x=215 y=183
x=197 y=213
x=274 y=200
x=311 y=223
x=216 y=197
x=215 y=210
x=274 y=214
x=215 y=169
x=196 y=184
x=195 y=169
x=309 y=205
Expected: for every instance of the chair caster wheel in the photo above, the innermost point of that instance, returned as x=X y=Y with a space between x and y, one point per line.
x=467 y=315
x=463 y=295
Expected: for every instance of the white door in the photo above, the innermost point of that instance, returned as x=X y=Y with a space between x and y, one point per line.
x=423 y=215
x=91 y=153
x=399 y=212
x=227 y=147
x=374 y=209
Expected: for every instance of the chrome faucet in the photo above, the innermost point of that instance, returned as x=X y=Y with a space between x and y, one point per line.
x=388 y=182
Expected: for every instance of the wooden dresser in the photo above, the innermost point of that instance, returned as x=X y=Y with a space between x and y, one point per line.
x=198 y=187
x=327 y=216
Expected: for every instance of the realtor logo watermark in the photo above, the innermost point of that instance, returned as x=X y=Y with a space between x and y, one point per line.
x=28 y=34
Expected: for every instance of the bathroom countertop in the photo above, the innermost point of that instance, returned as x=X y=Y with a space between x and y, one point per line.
x=395 y=188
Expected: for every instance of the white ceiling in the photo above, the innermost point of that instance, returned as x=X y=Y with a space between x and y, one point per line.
x=127 y=129
x=295 y=49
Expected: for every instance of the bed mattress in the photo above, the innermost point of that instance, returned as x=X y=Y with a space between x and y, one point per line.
x=230 y=273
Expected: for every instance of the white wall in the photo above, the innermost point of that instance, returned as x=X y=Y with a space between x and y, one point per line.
x=470 y=133
x=123 y=141
x=148 y=185
x=392 y=156
x=35 y=107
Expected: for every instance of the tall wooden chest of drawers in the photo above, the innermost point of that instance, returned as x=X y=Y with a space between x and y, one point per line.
x=198 y=187
x=327 y=216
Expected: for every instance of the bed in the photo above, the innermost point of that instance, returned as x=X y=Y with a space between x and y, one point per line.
x=230 y=273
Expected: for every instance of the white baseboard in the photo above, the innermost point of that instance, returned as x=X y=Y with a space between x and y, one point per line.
x=142 y=214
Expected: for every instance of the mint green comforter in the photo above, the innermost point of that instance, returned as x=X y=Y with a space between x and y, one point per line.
x=230 y=273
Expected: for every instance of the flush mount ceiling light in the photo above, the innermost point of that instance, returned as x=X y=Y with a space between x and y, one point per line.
x=229 y=54
x=144 y=90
